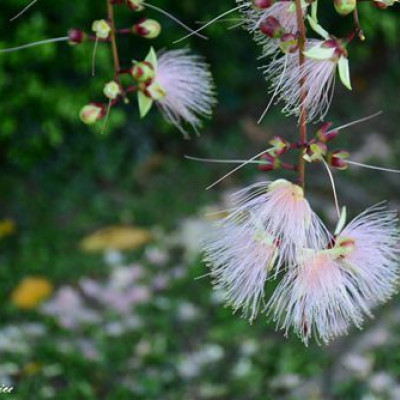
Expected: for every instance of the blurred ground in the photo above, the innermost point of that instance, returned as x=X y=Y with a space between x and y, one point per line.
x=100 y=235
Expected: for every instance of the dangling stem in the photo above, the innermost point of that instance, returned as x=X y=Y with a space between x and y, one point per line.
x=357 y=25
x=303 y=112
x=117 y=67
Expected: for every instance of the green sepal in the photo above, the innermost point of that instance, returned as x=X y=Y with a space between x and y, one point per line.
x=344 y=72
x=152 y=58
x=145 y=104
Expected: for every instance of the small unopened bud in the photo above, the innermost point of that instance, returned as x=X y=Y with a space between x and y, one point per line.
x=262 y=4
x=269 y=163
x=324 y=134
x=271 y=27
x=337 y=159
x=155 y=91
x=112 y=90
x=345 y=7
x=279 y=146
x=76 y=36
x=136 y=5
x=316 y=152
x=147 y=28
x=91 y=113
x=101 y=28
x=344 y=246
x=142 y=71
x=289 y=43
x=383 y=4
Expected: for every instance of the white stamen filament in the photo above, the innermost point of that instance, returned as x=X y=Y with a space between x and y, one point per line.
x=274 y=94
x=221 y=161
x=237 y=168
x=34 y=44
x=104 y=127
x=335 y=196
x=24 y=10
x=369 y=166
x=210 y=23
x=358 y=121
x=176 y=20
x=94 y=57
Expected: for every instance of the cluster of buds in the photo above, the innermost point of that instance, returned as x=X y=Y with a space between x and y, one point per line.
x=314 y=150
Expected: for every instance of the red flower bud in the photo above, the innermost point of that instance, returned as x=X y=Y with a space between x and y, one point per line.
x=263 y=3
x=337 y=159
x=289 y=43
x=271 y=27
x=91 y=113
x=147 y=28
x=135 y=5
x=76 y=36
x=316 y=151
x=271 y=163
x=279 y=146
x=324 y=134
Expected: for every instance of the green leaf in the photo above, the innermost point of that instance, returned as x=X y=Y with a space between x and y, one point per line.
x=145 y=104
x=344 y=72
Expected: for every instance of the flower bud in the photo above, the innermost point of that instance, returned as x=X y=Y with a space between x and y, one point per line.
x=344 y=246
x=324 y=134
x=112 y=90
x=91 y=113
x=289 y=43
x=76 y=36
x=337 y=159
x=271 y=27
x=147 y=28
x=270 y=163
x=263 y=4
x=101 y=28
x=345 y=7
x=155 y=91
x=316 y=151
x=136 y=5
x=142 y=71
x=279 y=146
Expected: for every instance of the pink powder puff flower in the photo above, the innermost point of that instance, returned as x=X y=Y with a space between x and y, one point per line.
x=283 y=11
x=271 y=224
x=285 y=214
x=370 y=250
x=241 y=254
x=318 y=298
x=322 y=59
x=182 y=88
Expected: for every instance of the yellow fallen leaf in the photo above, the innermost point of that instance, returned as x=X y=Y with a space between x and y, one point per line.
x=7 y=227
x=32 y=368
x=116 y=238
x=30 y=292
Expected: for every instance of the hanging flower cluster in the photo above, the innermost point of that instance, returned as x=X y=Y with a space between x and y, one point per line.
x=328 y=281
x=179 y=83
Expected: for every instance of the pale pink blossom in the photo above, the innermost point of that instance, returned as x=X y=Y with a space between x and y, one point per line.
x=240 y=255
x=317 y=75
x=270 y=225
x=188 y=88
x=285 y=214
x=283 y=11
x=371 y=250
x=318 y=298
